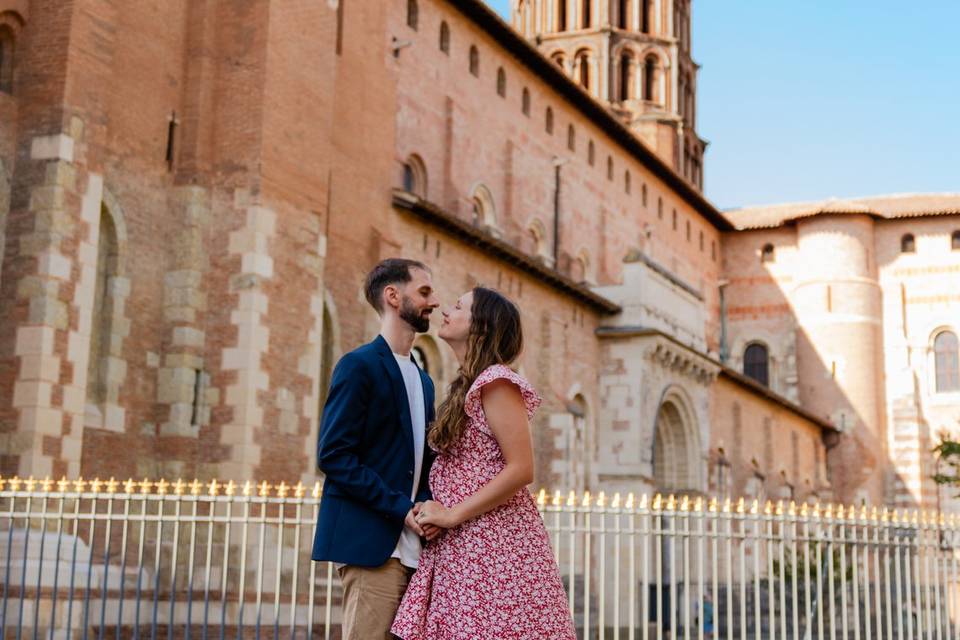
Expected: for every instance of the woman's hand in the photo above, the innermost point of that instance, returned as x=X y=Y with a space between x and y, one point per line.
x=433 y=513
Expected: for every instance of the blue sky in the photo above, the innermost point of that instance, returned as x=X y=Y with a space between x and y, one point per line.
x=809 y=100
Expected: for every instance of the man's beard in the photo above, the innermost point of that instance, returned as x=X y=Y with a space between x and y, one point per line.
x=414 y=317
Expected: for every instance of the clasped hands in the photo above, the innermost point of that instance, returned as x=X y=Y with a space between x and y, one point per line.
x=430 y=519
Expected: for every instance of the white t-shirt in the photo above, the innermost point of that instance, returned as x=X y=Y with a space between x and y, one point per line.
x=408 y=548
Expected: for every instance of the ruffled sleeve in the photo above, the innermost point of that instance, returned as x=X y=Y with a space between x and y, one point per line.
x=474 y=407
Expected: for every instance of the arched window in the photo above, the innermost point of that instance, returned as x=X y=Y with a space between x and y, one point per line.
x=415 y=176
x=626 y=74
x=626 y=181
x=413 y=14
x=609 y=168
x=585 y=13
x=501 y=82
x=767 y=253
x=645 y=16
x=676 y=451
x=955 y=241
x=444 y=38
x=582 y=64
x=756 y=363
x=561 y=15
x=908 y=244
x=623 y=14
x=548 y=120
x=525 y=102
x=474 y=61
x=650 y=78
x=571 y=138
x=591 y=153
x=559 y=60
x=102 y=327
x=946 y=353
x=6 y=59
x=484 y=211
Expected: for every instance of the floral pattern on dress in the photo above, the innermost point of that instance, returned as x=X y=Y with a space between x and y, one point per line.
x=494 y=576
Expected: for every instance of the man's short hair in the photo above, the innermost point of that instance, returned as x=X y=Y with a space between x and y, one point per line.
x=387 y=272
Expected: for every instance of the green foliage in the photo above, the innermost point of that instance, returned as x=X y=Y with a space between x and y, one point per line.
x=948 y=467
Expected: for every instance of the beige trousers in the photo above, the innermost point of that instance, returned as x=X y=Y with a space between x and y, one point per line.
x=371 y=596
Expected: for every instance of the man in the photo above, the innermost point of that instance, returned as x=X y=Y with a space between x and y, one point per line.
x=372 y=449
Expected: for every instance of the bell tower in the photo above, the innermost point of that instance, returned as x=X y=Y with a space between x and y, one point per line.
x=635 y=56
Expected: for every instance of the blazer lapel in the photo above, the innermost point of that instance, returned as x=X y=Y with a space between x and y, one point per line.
x=399 y=391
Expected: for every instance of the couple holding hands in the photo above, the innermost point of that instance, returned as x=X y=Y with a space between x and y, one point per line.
x=427 y=513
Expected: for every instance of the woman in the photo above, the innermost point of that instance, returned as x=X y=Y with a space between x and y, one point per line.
x=491 y=573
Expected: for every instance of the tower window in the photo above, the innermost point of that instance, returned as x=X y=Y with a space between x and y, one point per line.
x=623 y=15
x=549 y=121
x=501 y=82
x=6 y=59
x=561 y=15
x=413 y=14
x=767 y=254
x=583 y=69
x=525 y=102
x=474 y=61
x=649 y=78
x=585 y=13
x=908 y=244
x=946 y=353
x=626 y=72
x=645 y=16
x=756 y=363
x=444 y=38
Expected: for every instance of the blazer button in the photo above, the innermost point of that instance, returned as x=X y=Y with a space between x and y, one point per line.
x=410 y=473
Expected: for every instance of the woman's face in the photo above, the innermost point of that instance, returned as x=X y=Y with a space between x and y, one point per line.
x=455 y=325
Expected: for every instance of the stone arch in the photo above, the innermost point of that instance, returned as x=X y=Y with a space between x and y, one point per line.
x=580 y=266
x=428 y=356
x=415 y=176
x=11 y=23
x=677 y=461
x=655 y=66
x=108 y=326
x=538 y=235
x=484 y=208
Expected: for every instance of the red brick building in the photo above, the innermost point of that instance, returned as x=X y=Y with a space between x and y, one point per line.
x=192 y=192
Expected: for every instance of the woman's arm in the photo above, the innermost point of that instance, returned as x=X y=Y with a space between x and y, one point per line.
x=507 y=416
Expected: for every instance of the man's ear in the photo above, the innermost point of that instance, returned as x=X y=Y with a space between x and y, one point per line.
x=391 y=296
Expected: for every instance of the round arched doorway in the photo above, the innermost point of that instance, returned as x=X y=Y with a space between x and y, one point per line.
x=676 y=449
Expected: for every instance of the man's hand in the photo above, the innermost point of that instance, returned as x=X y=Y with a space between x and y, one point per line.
x=410 y=521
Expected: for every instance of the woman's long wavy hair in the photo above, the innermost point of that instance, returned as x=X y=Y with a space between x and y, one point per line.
x=496 y=337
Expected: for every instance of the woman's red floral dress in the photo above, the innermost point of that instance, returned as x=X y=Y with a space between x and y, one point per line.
x=492 y=577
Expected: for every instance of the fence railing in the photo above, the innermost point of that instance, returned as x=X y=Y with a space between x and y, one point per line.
x=168 y=560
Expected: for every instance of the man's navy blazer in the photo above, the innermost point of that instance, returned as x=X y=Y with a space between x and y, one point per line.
x=365 y=450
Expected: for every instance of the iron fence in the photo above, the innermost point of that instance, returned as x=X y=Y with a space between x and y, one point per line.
x=154 y=559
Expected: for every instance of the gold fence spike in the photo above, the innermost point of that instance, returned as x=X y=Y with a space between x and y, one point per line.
x=95 y=485
x=247 y=488
x=698 y=504
x=282 y=489
x=264 y=491
x=196 y=487
x=145 y=486
x=557 y=498
x=129 y=486
x=571 y=499
x=657 y=502
x=768 y=508
x=46 y=484
x=601 y=499
x=213 y=488
x=542 y=497
x=316 y=489
x=111 y=485
x=741 y=505
x=3 y=482
x=299 y=490
x=616 y=500
x=644 y=500
x=162 y=486
x=685 y=503
x=15 y=483
x=63 y=485
x=631 y=500
x=804 y=510
x=231 y=488
x=586 y=499
x=727 y=505
x=179 y=487
x=30 y=484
